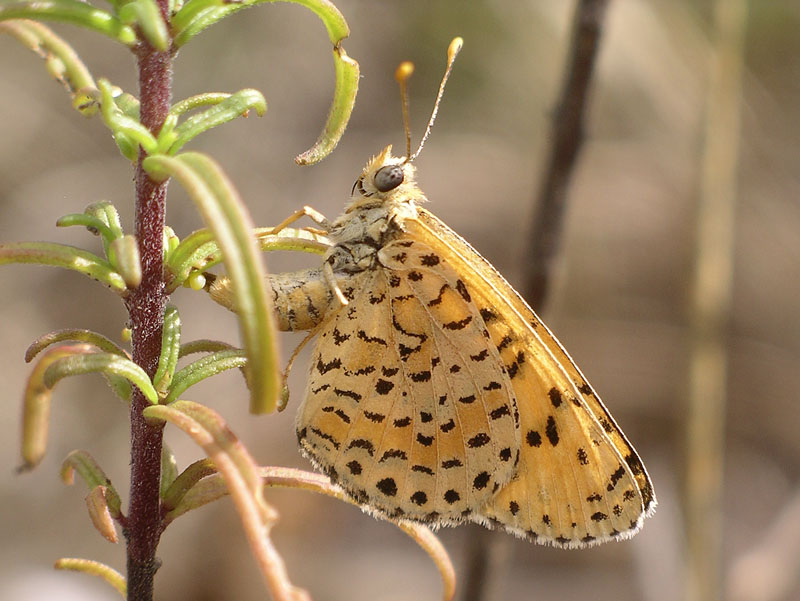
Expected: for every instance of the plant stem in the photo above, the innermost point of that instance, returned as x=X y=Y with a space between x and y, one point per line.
x=146 y=305
x=567 y=139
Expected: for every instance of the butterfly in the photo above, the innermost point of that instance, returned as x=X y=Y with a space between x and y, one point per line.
x=436 y=394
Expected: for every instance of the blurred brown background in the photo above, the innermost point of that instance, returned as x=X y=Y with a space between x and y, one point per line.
x=619 y=304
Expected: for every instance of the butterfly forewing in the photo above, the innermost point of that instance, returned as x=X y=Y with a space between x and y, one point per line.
x=578 y=480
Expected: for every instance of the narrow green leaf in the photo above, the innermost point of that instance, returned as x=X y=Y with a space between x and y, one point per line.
x=169 y=469
x=146 y=14
x=107 y=213
x=124 y=256
x=193 y=102
x=73 y=335
x=344 y=98
x=118 y=122
x=227 y=217
x=196 y=15
x=204 y=346
x=62 y=255
x=232 y=107
x=170 y=347
x=74 y=75
x=93 y=224
x=185 y=481
x=92 y=474
x=199 y=250
x=201 y=369
x=95 y=568
x=78 y=364
x=70 y=11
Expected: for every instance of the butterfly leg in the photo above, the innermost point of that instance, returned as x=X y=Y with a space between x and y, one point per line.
x=306 y=211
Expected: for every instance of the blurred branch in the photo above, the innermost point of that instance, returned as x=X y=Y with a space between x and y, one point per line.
x=711 y=303
x=485 y=551
x=567 y=138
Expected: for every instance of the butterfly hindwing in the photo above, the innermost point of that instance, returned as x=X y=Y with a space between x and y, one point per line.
x=396 y=408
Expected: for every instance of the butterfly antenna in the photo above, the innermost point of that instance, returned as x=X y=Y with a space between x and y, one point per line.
x=403 y=73
x=402 y=78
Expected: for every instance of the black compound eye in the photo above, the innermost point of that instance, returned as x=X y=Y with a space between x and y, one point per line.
x=389 y=177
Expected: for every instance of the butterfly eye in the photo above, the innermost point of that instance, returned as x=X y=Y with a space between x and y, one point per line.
x=389 y=177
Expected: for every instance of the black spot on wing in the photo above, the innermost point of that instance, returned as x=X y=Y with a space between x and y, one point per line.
x=387 y=486
x=350 y=394
x=458 y=324
x=362 y=443
x=425 y=441
x=478 y=440
x=451 y=463
x=533 y=438
x=551 y=431
x=393 y=454
x=375 y=418
x=429 y=260
x=371 y=339
x=324 y=368
x=383 y=387
x=402 y=422
x=462 y=290
x=555 y=397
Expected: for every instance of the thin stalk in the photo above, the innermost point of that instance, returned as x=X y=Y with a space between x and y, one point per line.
x=146 y=305
x=567 y=139
x=711 y=305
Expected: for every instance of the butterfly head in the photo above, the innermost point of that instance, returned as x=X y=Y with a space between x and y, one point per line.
x=386 y=179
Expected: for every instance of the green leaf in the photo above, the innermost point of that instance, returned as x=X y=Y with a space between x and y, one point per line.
x=193 y=102
x=146 y=14
x=196 y=15
x=199 y=250
x=185 y=481
x=169 y=469
x=69 y=69
x=70 y=11
x=344 y=98
x=93 y=224
x=204 y=346
x=119 y=123
x=204 y=368
x=170 y=347
x=95 y=568
x=73 y=335
x=62 y=255
x=124 y=256
x=93 y=475
x=78 y=364
x=228 y=109
x=224 y=213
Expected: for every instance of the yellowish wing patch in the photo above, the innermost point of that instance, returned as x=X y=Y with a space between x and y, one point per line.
x=578 y=481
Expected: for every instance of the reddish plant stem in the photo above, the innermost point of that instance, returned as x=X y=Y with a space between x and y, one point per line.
x=146 y=305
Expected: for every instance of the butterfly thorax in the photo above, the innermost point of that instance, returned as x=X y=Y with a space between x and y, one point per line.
x=374 y=217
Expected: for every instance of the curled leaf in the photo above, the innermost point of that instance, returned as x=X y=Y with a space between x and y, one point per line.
x=70 y=11
x=344 y=98
x=225 y=214
x=93 y=224
x=100 y=515
x=73 y=335
x=230 y=108
x=62 y=255
x=241 y=476
x=146 y=14
x=120 y=123
x=94 y=568
x=72 y=73
x=80 y=363
x=93 y=475
x=36 y=406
